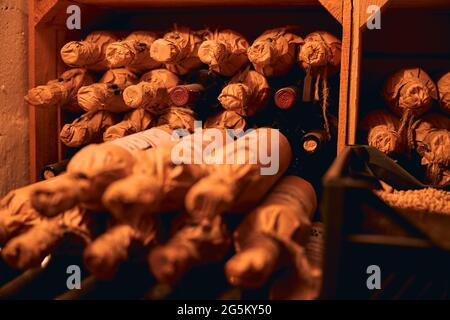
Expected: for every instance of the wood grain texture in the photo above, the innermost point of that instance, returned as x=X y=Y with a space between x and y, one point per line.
x=334 y=7
x=363 y=5
x=344 y=75
x=41 y=68
x=355 y=72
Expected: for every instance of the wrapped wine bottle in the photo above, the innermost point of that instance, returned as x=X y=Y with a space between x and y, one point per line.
x=134 y=121
x=163 y=176
x=192 y=245
x=178 y=50
x=225 y=119
x=151 y=93
x=16 y=212
x=273 y=52
x=247 y=93
x=443 y=85
x=107 y=94
x=103 y=256
x=225 y=51
x=28 y=249
x=88 y=128
x=91 y=171
x=133 y=52
x=432 y=142
x=238 y=186
x=61 y=92
x=89 y=53
x=382 y=131
x=409 y=93
x=54 y=169
x=273 y=234
x=320 y=57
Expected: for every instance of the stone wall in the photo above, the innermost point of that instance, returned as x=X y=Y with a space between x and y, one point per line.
x=14 y=150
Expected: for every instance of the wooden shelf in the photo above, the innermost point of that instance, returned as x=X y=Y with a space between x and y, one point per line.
x=48 y=33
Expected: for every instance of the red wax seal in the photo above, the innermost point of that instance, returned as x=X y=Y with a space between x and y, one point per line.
x=179 y=96
x=285 y=98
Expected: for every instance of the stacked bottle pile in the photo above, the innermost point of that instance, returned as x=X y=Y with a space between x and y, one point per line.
x=149 y=88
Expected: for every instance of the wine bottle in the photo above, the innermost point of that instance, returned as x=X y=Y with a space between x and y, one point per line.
x=186 y=95
x=133 y=52
x=178 y=50
x=89 y=53
x=314 y=141
x=91 y=170
x=278 y=225
x=107 y=95
x=287 y=97
x=54 y=169
x=61 y=92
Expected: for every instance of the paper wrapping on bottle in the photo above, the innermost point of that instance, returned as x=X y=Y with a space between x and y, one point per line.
x=61 y=92
x=284 y=214
x=151 y=138
x=151 y=93
x=432 y=141
x=28 y=250
x=226 y=120
x=247 y=93
x=134 y=121
x=320 y=50
x=178 y=50
x=133 y=52
x=273 y=52
x=238 y=179
x=410 y=89
x=89 y=173
x=107 y=94
x=192 y=245
x=382 y=131
x=88 y=128
x=177 y=118
x=225 y=52
x=157 y=184
x=443 y=85
x=16 y=212
x=106 y=253
x=90 y=53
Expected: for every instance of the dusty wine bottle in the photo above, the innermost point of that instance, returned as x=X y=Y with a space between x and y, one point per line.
x=54 y=169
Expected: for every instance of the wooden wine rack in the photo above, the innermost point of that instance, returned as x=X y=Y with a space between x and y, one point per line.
x=48 y=32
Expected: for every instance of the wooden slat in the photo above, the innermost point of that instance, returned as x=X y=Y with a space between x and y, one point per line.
x=355 y=70
x=344 y=75
x=197 y=3
x=334 y=7
x=60 y=68
x=42 y=67
x=363 y=5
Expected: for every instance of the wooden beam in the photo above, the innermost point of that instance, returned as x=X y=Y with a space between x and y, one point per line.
x=41 y=68
x=363 y=5
x=344 y=75
x=334 y=7
x=355 y=73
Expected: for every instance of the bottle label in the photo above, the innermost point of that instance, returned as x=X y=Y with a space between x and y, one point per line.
x=315 y=246
x=145 y=140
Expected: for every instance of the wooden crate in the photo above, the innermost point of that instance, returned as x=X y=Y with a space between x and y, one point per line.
x=411 y=249
x=48 y=33
x=413 y=33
